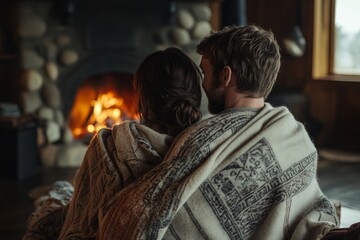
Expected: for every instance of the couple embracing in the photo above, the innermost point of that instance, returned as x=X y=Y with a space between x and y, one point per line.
x=246 y=172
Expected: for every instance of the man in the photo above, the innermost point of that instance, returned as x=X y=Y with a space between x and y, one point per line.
x=248 y=172
x=240 y=66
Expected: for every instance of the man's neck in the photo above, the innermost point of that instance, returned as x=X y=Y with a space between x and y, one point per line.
x=242 y=101
x=236 y=99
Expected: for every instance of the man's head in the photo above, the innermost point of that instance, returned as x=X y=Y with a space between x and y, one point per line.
x=251 y=53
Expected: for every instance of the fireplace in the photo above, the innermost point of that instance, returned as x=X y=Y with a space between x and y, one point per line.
x=89 y=50
x=103 y=73
x=101 y=101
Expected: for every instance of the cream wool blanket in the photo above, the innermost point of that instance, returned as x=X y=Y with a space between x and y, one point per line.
x=237 y=175
x=114 y=159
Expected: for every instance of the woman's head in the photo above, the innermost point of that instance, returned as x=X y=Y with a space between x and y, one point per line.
x=168 y=84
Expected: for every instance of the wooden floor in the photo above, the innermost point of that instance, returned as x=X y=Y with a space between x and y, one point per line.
x=16 y=205
x=339 y=181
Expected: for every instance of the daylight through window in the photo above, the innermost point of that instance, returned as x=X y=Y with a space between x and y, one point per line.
x=347 y=37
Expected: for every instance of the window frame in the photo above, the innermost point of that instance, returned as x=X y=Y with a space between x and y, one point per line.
x=324 y=43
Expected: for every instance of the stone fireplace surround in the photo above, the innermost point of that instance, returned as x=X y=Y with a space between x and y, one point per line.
x=59 y=52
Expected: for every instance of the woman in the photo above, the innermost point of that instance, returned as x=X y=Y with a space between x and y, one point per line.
x=168 y=84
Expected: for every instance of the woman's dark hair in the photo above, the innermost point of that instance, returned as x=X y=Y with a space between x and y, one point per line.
x=168 y=84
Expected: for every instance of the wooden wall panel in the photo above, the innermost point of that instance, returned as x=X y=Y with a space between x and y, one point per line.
x=280 y=17
x=337 y=106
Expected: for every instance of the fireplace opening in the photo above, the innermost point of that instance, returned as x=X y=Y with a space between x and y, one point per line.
x=101 y=101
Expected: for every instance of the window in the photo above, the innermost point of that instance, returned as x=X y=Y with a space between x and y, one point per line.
x=347 y=37
x=336 y=40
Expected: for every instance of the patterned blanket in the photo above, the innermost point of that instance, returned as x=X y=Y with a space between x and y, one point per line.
x=238 y=175
x=243 y=174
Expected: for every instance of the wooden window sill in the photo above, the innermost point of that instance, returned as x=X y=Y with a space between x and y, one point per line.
x=339 y=78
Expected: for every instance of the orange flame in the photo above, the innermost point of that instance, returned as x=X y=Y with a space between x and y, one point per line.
x=101 y=101
x=106 y=111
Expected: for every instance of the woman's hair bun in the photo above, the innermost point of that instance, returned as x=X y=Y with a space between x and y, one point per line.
x=187 y=112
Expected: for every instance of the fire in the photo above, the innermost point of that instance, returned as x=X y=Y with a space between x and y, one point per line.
x=102 y=101
x=107 y=110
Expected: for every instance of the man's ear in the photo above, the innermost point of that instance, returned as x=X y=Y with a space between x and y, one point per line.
x=226 y=75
